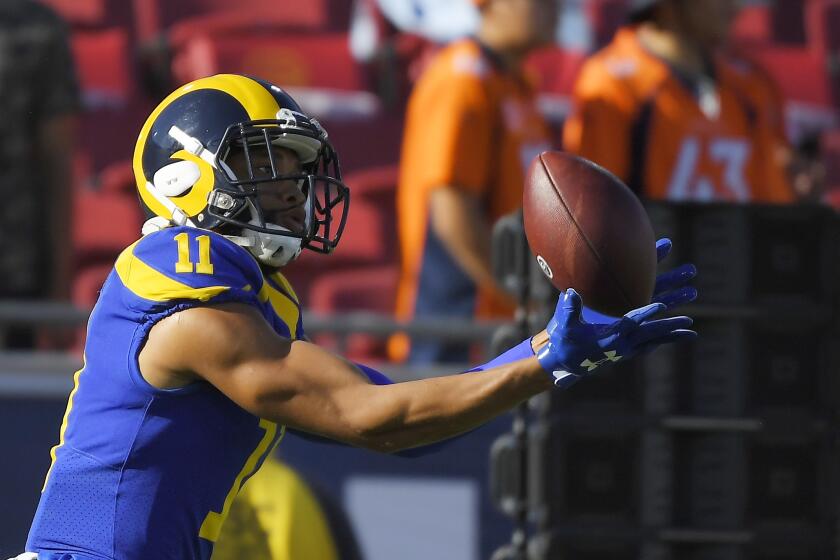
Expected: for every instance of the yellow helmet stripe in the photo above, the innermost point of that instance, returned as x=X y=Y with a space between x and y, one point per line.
x=195 y=200
x=254 y=98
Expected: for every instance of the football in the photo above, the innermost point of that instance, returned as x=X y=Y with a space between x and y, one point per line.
x=588 y=231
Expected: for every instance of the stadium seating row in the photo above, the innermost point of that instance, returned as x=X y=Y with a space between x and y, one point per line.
x=149 y=18
x=303 y=44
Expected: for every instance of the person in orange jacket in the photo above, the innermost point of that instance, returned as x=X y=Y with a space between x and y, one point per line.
x=472 y=126
x=665 y=109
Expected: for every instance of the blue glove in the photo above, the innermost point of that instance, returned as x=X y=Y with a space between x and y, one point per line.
x=576 y=348
x=671 y=287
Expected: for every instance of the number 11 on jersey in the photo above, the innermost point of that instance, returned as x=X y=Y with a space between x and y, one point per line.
x=185 y=264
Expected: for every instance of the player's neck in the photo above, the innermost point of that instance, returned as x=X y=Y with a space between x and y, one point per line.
x=510 y=56
x=675 y=48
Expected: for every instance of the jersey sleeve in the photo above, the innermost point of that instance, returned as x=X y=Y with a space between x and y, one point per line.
x=451 y=130
x=179 y=265
x=600 y=126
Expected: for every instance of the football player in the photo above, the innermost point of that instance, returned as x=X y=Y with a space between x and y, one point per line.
x=672 y=114
x=196 y=359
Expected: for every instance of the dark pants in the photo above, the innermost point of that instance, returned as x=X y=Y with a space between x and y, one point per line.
x=444 y=291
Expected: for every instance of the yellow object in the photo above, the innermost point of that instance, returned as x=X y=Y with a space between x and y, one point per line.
x=184 y=264
x=204 y=265
x=277 y=517
x=148 y=283
x=254 y=98
x=285 y=308
x=212 y=525
x=64 y=422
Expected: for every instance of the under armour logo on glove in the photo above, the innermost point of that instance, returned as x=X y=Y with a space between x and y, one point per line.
x=575 y=347
x=565 y=379
x=610 y=356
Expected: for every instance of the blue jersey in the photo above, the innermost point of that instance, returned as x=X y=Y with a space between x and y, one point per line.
x=140 y=472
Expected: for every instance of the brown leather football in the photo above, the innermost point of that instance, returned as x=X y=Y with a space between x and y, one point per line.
x=588 y=231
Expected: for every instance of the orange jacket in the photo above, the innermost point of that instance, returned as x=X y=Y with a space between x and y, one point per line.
x=668 y=138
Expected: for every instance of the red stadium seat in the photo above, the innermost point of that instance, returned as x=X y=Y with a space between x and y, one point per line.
x=368 y=238
x=377 y=185
x=79 y=12
x=556 y=69
x=359 y=289
x=370 y=234
x=305 y=60
x=371 y=289
x=799 y=71
x=118 y=178
x=104 y=67
x=105 y=223
x=754 y=24
x=187 y=17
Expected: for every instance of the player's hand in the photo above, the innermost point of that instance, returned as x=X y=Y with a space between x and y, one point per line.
x=576 y=348
x=672 y=287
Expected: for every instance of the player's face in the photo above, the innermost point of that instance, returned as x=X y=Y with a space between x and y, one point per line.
x=708 y=21
x=533 y=22
x=282 y=201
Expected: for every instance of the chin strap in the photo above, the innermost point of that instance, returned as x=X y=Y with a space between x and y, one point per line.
x=155 y=224
x=242 y=241
x=272 y=250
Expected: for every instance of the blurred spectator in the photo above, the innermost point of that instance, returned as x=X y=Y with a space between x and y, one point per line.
x=471 y=126
x=665 y=109
x=396 y=39
x=437 y=20
x=39 y=97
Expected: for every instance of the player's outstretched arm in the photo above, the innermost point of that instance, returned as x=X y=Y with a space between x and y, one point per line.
x=305 y=387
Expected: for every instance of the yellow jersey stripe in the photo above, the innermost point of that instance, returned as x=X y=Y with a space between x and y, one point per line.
x=147 y=283
x=211 y=527
x=286 y=309
x=64 y=422
x=286 y=285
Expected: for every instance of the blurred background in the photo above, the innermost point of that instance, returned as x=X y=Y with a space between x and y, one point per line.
x=726 y=450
